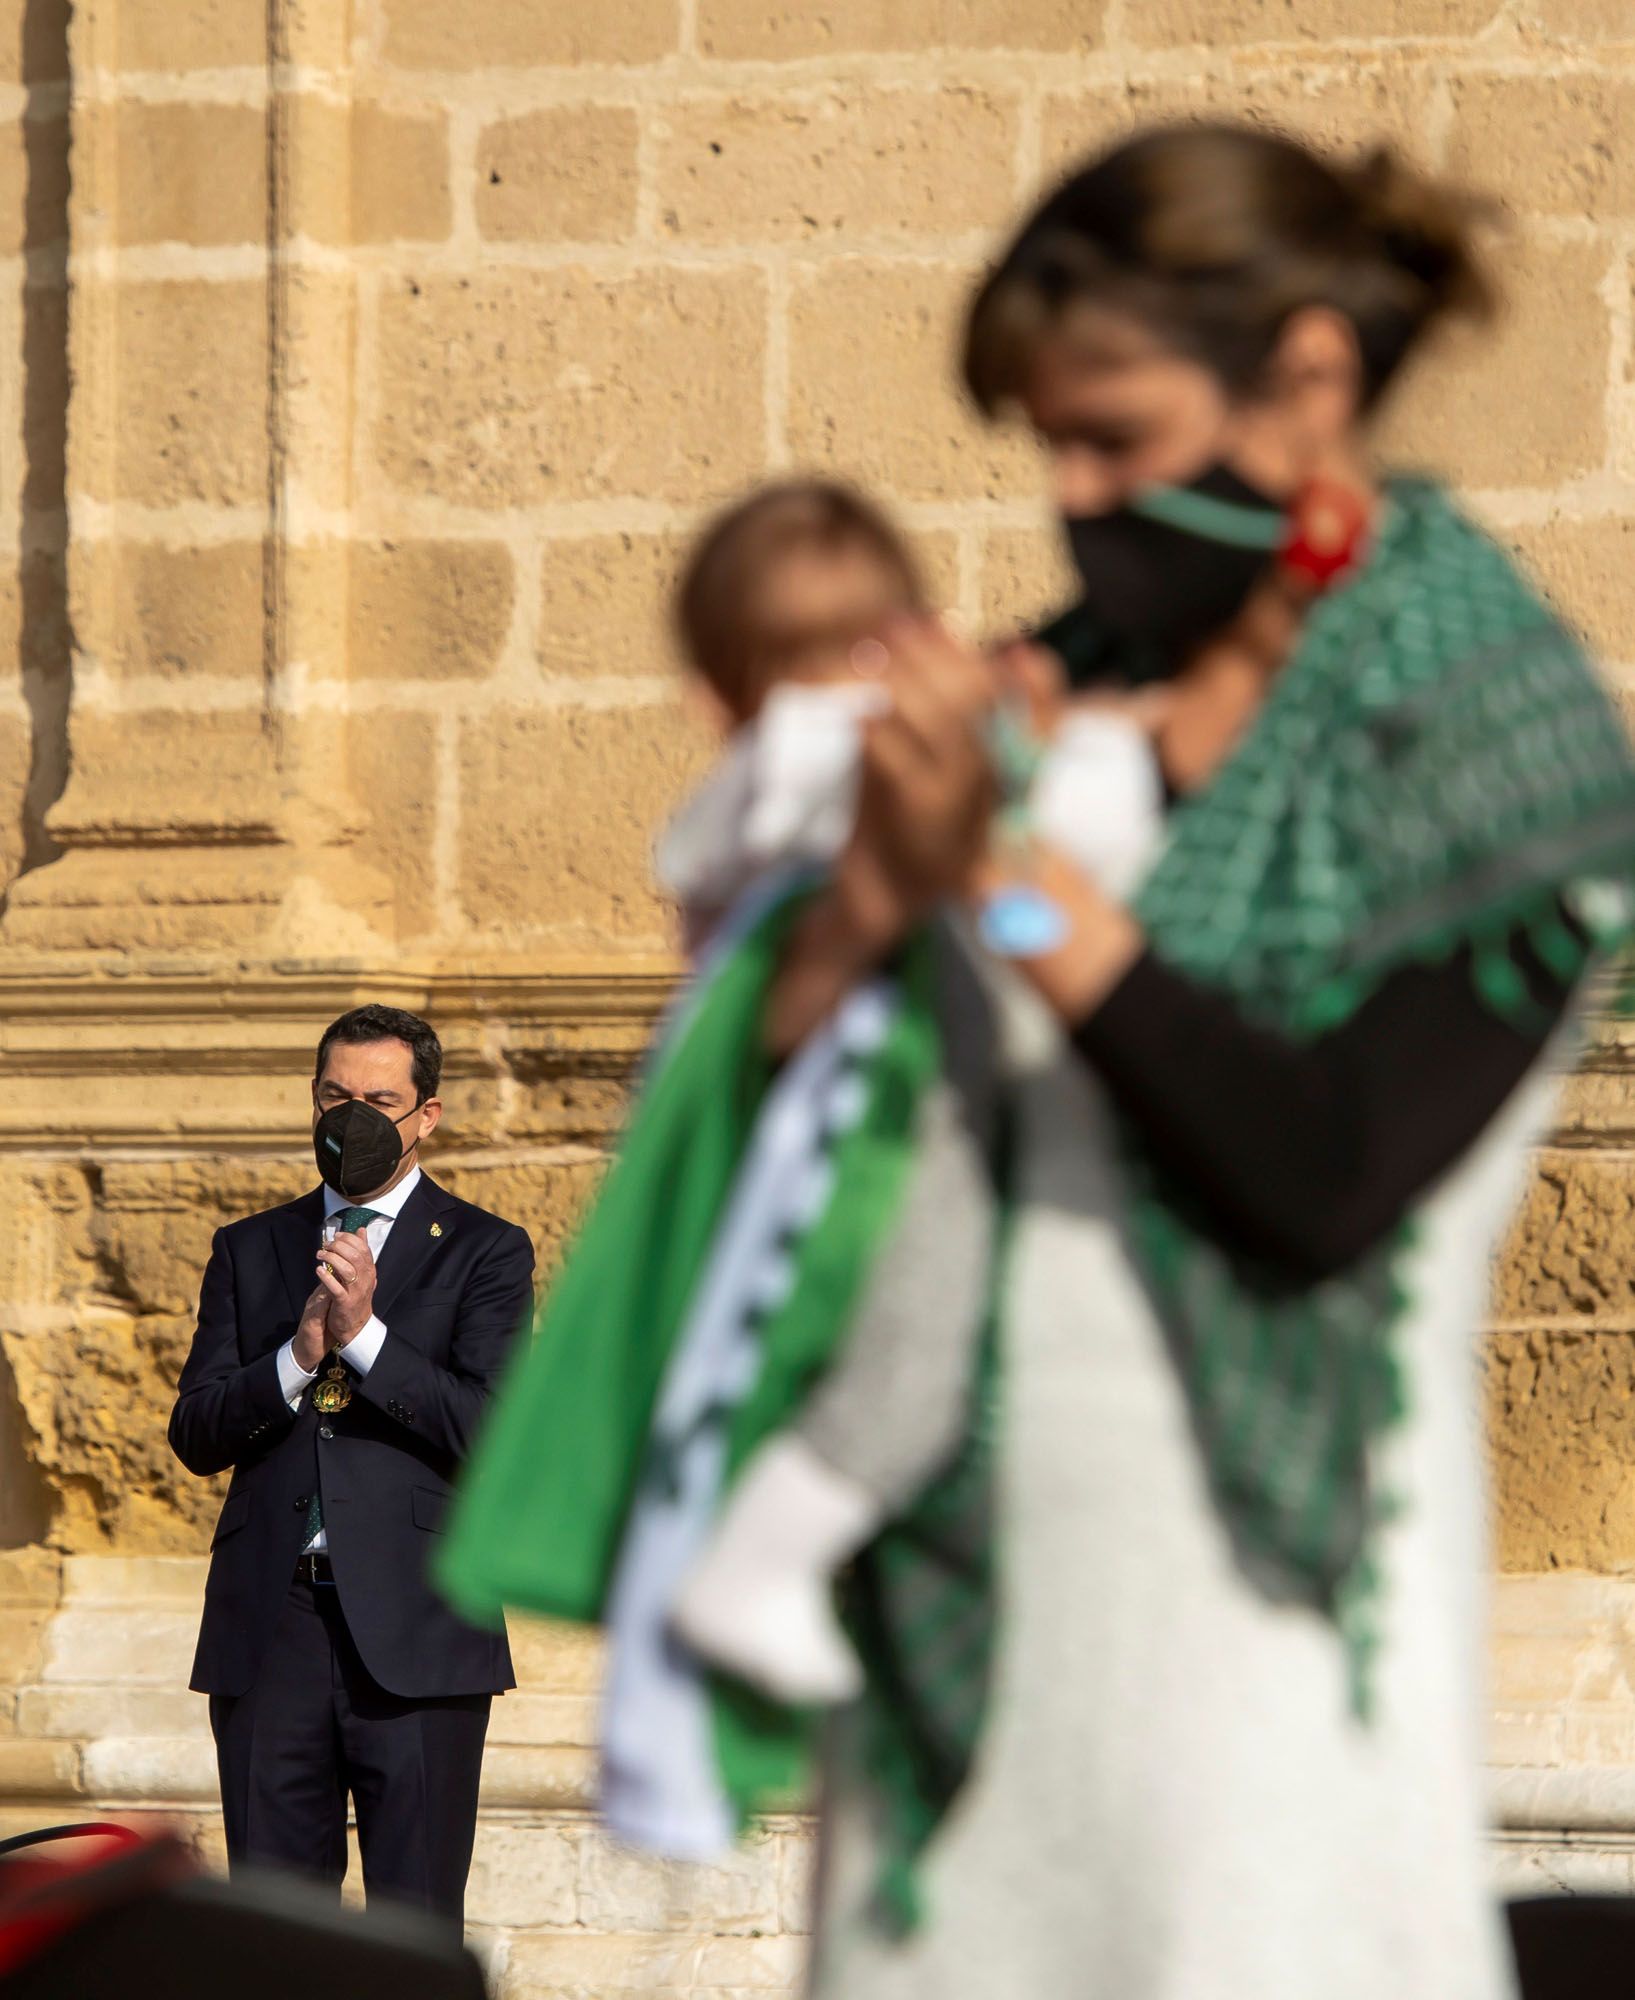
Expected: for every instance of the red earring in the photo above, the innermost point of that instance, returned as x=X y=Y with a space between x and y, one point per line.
x=1327 y=534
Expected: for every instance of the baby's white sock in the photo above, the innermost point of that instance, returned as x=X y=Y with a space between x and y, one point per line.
x=759 y=1603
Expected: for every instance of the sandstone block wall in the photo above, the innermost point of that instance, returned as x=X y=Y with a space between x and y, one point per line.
x=538 y=291
x=407 y=344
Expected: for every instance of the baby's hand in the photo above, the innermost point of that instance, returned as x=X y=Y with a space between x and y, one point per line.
x=1032 y=676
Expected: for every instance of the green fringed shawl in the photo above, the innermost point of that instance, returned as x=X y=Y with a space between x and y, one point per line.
x=1437 y=768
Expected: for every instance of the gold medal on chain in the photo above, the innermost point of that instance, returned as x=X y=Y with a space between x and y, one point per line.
x=334 y=1392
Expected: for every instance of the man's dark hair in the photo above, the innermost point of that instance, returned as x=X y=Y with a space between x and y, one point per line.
x=389 y=1024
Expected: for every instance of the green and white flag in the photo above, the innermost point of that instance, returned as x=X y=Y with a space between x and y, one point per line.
x=711 y=1284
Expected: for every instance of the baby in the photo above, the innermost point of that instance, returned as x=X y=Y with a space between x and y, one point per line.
x=776 y=613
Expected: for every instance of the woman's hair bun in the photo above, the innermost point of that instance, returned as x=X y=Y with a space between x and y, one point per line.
x=1212 y=234
x=1427 y=228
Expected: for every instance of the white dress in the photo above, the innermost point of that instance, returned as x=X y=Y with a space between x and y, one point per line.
x=1173 y=1800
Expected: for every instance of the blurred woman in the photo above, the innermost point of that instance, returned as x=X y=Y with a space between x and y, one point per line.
x=1273 y=1114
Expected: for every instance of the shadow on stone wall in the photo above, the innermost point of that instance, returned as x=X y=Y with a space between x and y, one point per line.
x=25 y=1505
x=42 y=596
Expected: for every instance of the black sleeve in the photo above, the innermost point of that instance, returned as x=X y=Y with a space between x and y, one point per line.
x=222 y=1407
x=1306 y=1154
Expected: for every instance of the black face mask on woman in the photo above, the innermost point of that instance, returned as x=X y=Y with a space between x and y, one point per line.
x=358 y=1149
x=1175 y=564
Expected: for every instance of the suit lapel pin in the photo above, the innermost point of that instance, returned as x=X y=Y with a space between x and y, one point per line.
x=437 y=1229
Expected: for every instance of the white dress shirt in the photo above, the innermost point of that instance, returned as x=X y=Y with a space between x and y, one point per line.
x=360 y=1351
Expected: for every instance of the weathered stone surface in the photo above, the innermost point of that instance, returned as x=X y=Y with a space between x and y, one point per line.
x=74 y=1713
x=1472 y=408
x=563 y=1103
x=156 y=1768
x=400 y=175
x=95 y=1384
x=527 y=1876
x=1584 y=20
x=491 y=398
x=535 y=1776
x=50 y=1252
x=570 y=1965
x=149 y=608
x=559 y=1658
x=145 y=1580
x=155 y=1222
x=1568 y=1253
x=365 y=172
x=795 y=1876
x=565 y=174
x=518 y=34
x=124 y=1645
x=740 y=1894
x=206 y=34
x=548 y=1199
x=393 y=763
x=22 y=1642
x=553 y=1719
x=1588 y=569
x=135 y=898
x=30 y=1576
x=183 y=771
x=96 y=1393
x=836 y=164
x=313 y=417
x=1551 y=145
x=1213 y=23
x=1025 y=576
x=1340 y=106
x=606 y=601
x=193 y=370
x=1562 y=1672
x=427 y=610
x=40 y=1771
x=190 y=173
x=16 y=754
x=752 y=29
x=937 y=553
x=872 y=390
x=1561 y=1423
x=559 y=852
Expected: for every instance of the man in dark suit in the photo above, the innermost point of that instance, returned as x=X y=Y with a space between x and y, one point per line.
x=346 y=1347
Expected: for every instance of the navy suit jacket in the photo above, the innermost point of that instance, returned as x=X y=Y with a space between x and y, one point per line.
x=454 y=1289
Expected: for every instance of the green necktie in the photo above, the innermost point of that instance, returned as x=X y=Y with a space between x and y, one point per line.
x=351 y=1219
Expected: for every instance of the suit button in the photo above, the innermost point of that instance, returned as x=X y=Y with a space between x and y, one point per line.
x=324 y=1431
x=302 y=1502
x=408 y=1416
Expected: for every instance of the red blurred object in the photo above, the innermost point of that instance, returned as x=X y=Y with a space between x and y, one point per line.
x=86 y=1867
x=1328 y=534
x=120 y=1915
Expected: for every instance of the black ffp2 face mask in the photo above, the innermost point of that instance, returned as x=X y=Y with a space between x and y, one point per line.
x=1176 y=564
x=358 y=1149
